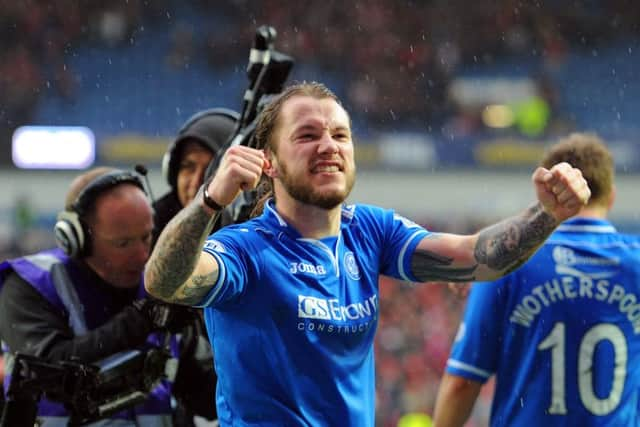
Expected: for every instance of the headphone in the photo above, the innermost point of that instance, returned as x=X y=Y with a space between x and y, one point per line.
x=70 y=232
x=212 y=137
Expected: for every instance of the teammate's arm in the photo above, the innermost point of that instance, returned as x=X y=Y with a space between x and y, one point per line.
x=456 y=397
x=503 y=247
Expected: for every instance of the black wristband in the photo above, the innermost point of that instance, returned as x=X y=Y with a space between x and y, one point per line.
x=209 y=201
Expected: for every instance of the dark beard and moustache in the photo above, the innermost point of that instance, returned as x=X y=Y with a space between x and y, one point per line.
x=304 y=193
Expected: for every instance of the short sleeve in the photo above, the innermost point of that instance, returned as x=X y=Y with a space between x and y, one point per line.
x=401 y=238
x=476 y=347
x=233 y=267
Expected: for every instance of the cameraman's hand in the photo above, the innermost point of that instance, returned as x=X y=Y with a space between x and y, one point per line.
x=165 y=316
x=240 y=170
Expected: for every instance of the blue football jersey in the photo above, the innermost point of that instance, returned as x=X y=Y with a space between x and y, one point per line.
x=292 y=320
x=561 y=333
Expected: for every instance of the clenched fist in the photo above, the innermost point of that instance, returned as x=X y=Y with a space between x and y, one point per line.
x=562 y=190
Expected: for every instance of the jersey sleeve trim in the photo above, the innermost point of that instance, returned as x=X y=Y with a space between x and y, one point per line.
x=217 y=286
x=408 y=248
x=457 y=367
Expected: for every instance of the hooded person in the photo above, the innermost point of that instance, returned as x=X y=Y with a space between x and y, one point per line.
x=200 y=139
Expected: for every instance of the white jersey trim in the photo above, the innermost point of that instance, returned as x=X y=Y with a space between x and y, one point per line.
x=222 y=274
x=403 y=252
x=587 y=228
x=465 y=367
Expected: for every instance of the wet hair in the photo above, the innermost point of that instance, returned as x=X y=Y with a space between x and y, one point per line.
x=589 y=153
x=269 y=116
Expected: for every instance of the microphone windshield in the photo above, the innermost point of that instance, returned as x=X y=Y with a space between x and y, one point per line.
x=141 y=169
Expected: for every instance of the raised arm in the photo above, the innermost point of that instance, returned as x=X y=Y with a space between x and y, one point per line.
x=178 y=271
x=503 y=247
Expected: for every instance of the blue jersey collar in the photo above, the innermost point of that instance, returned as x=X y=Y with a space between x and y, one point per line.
x=273 y=218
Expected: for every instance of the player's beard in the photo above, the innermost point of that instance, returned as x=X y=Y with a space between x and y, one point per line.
x=304 y=192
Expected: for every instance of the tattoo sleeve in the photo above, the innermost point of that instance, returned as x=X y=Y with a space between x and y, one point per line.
x=507 y=245
x=169 y=270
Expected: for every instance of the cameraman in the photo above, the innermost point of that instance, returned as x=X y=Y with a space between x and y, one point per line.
x=85 y=301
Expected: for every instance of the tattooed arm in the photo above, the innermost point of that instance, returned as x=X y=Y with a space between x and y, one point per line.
x=178 y=271
x=503 y=247
x=493 y=252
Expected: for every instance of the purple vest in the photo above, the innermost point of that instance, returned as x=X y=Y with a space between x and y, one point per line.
x=54 y=276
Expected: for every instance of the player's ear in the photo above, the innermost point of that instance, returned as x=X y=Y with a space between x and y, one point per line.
x=270 y=164
x=612 y=197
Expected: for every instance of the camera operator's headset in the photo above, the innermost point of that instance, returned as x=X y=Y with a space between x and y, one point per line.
x=71 y=233
x=171 y=158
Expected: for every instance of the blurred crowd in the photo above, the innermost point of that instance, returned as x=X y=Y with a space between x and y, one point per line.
x=397 y=58
x=38 y=37
x=394 y=59
x=417 y=326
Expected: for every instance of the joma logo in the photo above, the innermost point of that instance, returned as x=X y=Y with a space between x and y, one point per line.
x=305 y=267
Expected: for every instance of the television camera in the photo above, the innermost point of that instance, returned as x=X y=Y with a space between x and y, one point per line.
x=89 y=392
x=267 y=70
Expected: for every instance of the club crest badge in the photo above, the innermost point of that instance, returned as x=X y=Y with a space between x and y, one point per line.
x=352 y=267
